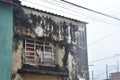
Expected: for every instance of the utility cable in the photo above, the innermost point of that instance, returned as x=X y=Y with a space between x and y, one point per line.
x=102 y=21
x=58 y=1
x=103 y=38
x=102 y=59
x=112 y=6
x=78 y=15
x=65 y=7
x=51 y=8
x=91 y=10
x=81 y=13
x=103 y=73
x=69 y=12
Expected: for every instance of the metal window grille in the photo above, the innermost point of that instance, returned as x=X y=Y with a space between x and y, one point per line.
x=31 y=55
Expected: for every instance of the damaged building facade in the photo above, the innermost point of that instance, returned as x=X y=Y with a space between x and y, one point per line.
x=47 y=46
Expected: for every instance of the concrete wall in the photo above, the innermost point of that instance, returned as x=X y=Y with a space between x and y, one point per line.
x=6 y=27
x=77 y=62
x=16 y=58
x=59 y=54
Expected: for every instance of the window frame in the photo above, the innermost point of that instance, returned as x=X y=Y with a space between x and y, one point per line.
x=46 y=49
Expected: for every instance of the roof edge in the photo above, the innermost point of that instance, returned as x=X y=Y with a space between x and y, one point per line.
x=54 y=14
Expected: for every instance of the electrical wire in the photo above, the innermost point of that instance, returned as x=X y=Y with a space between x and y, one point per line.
x=114 y=5
x=102 y=59
x=77 y=15
x=58 y=1
x=51 y=8
x=103 y=38
x=102 y=73
x=77 y=11
x=80 y=13
x=70 y=9
x=91 y=10
x=70 y=13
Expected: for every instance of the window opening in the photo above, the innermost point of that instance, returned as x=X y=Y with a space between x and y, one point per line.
x=38 y=52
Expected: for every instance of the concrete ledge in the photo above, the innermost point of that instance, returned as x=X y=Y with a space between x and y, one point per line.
x=46 y=70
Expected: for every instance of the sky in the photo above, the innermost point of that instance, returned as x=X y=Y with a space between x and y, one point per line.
x=102 y=32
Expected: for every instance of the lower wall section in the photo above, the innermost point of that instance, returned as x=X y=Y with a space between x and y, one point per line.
x=30 y=76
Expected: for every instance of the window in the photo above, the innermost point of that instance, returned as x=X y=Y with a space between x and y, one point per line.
x=38 y=52
x=82 y=39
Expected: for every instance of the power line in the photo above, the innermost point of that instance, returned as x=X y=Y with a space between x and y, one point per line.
x=51 y=8
x=62 y=10
x=103 y=38
x=102 y=59
x=63 y=7
x=103 y=9
x=102 y=73
x=78 y=15
x=71 y=8
x=70 y=13
x=78 y=12
x=112 y=6
x=91 y=10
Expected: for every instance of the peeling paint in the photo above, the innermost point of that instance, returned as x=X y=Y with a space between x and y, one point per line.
x=67 y=37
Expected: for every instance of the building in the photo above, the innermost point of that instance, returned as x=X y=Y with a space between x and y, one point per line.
x=48 y=46
x=6 y=34
x=115 y=76
x=42 y=45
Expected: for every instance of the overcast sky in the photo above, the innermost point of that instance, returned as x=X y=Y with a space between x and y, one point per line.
x=102 y=32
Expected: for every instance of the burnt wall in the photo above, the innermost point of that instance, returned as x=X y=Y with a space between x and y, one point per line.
x=67 y=35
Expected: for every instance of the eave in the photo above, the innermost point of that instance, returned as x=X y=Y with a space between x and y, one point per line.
x=42 y=70
x=54 y=14
x=21 y=71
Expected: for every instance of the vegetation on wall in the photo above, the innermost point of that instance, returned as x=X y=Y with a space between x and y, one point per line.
x=56 y=31
x=60 y=32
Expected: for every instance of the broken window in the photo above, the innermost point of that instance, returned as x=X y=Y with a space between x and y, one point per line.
x=38 y=52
